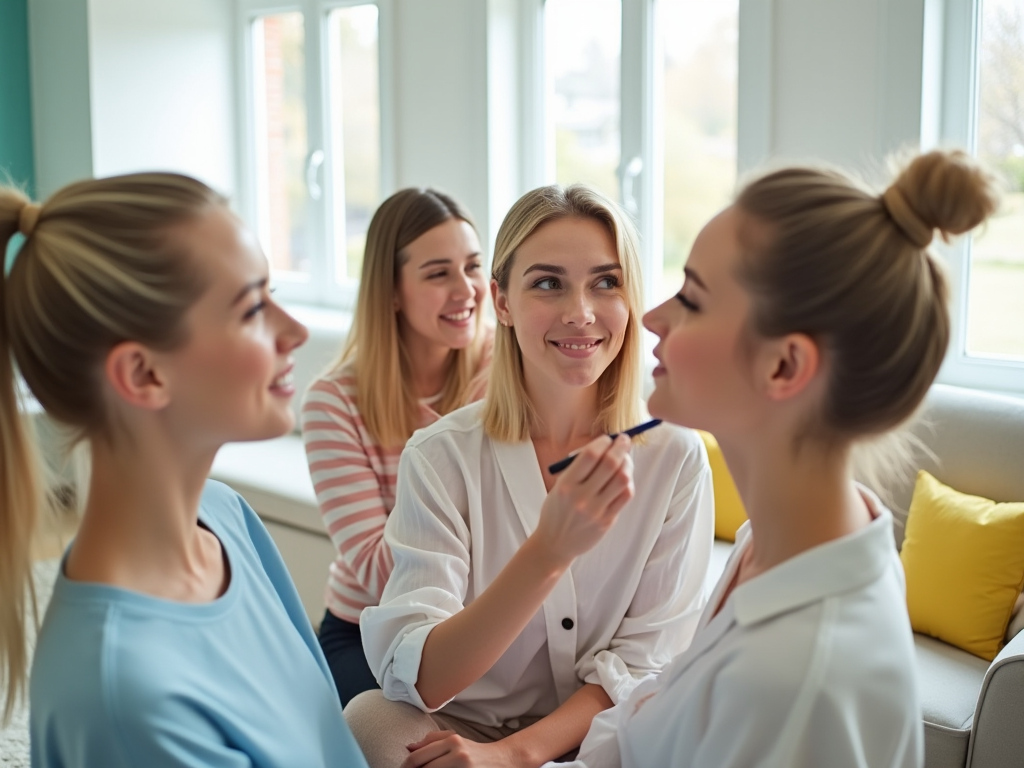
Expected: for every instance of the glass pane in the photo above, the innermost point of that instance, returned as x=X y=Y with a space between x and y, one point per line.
x=995 y=323
x=279 y=75
x=355 y=132
x=583 y=41
x=700 y=41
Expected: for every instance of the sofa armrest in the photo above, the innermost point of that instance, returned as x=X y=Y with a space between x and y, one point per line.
x=997 y=739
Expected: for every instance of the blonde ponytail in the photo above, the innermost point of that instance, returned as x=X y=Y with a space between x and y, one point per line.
x=21 y=495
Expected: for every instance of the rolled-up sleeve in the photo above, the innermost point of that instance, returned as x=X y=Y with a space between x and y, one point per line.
x=430 y=543
x=670 y=597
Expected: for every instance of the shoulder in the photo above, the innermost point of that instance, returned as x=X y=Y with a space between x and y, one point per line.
x=457 y=427
x=336 y=388
x=673 y=451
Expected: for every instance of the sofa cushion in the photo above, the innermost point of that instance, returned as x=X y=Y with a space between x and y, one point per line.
x=949 y=681
x=964 y=560
x=975 y=443
x=729 y=511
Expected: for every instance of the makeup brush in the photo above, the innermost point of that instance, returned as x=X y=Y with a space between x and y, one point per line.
x=558 y=466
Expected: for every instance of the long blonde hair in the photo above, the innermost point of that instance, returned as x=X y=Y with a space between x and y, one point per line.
x=99 y=265
x=383 y=372
x=853 y=270
x=508 y=414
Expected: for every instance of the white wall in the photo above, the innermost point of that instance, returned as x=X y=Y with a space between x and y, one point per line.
x=832 y=80
x=123 y=85
x=59 y=68
x=162 y=88
x=440 y=100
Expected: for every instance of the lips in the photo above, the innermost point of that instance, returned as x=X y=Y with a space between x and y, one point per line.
x=285 y=382
x=458 y=317
x=582 y=344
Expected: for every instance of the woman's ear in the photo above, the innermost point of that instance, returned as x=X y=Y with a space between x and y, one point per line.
x=793 y=362
x=500 y=299
x=131 y=371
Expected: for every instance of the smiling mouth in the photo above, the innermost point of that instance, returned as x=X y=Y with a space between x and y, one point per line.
x=286 y=379
x=459 y=316
x=569 y=345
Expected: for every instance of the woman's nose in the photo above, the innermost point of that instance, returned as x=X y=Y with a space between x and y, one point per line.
x=579 y=310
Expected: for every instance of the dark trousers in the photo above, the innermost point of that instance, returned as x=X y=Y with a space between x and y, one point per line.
x=342 y=644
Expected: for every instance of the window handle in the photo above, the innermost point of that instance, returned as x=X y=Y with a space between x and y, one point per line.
x=629 y=175
x=316 y=159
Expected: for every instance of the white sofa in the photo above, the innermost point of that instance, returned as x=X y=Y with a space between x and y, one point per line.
x=973 y=710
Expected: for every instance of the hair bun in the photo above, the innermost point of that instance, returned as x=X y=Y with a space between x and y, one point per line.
x=945 y=190
x=28 y=217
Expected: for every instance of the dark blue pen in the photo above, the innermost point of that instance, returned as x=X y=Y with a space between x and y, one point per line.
x=558 y=466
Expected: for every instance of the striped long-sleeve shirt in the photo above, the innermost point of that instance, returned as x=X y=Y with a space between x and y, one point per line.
x=354 y=479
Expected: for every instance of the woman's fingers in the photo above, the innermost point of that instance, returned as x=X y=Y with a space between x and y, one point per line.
x=431 y=749
x=430 y=737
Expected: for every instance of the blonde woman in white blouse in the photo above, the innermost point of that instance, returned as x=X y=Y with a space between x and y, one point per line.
x=812 y=316
x=522 y=604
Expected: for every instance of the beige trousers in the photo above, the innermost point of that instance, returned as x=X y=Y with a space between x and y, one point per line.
x=384 y=727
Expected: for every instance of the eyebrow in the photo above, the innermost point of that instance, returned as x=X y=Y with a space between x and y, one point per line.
x=441 y=262
x=691 y=275
x=556 y=270
x=253 y=286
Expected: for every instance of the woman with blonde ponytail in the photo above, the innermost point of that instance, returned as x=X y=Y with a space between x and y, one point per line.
x=138 y=314
x=812 y=317
x=418 y=348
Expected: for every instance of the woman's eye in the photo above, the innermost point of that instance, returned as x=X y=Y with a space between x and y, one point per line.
x=687 y=303
x=546 y=284
x=255 y=310
x=474 y=266
x=434 y=275
x=608 y=282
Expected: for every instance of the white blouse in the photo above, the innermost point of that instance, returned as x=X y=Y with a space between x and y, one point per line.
x=809 y=664
x=466 y=503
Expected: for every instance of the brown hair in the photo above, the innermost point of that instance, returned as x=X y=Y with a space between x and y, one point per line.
x=387 y=403
x=98 y=266
x=853 y=270
x=508 y=414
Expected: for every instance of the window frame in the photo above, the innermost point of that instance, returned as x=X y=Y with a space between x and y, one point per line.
x=955 y=32
x=321 y=288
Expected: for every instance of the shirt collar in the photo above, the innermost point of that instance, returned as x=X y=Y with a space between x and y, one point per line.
x=839 y=566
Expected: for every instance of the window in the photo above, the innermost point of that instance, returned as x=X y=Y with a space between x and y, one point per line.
x=647 y=117
x=313 y=165
x=982 y=98
x=995 y=300
x=699 y=94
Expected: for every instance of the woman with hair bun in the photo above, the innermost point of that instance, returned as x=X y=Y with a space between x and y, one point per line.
x=418 y=349
x=138 y=313
x=812 y=317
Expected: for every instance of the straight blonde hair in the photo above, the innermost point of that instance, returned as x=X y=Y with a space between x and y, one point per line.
x=99 y=265
x=508 y=413
x=387 y=402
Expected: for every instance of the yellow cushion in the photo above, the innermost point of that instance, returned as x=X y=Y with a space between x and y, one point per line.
x=964 y=560
x=729 y=511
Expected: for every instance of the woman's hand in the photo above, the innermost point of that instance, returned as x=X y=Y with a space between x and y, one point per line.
x=445 y=749
x=586 y=499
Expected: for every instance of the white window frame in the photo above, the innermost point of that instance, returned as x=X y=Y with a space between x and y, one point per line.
x=321 y=288
x=953 y=28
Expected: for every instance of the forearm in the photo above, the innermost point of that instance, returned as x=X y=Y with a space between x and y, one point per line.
x=461 y=649
x=561 y=731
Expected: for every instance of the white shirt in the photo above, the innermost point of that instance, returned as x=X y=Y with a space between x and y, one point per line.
x=809 y=664
x=466 y=503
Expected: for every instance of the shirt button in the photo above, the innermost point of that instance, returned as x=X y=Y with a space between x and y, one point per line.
x=567 y=624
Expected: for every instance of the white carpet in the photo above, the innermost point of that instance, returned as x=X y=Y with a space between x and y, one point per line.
x=14 y=738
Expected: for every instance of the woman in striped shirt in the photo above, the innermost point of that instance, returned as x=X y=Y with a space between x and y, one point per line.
x=418 y=349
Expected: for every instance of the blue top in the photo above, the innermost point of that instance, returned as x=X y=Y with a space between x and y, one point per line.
x=122 y=680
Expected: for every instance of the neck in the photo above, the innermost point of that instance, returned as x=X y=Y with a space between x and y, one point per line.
x=795 y=500
x=428 y=365
x=566 y=416
x=140 y=527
